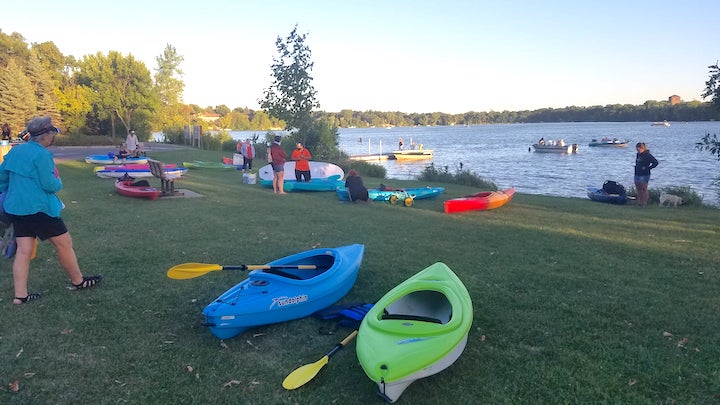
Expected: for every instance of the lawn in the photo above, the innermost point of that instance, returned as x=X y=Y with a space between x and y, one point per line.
x=574 y=301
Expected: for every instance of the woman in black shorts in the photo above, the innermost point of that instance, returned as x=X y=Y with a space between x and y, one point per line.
x=30 y=180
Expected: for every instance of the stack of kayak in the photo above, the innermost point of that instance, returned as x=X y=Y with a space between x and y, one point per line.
x=417 y=329
x=110 y=159
x=318 y=170
x=136 y=170
x=284 y=290
x=325 y=184
x=485 y=200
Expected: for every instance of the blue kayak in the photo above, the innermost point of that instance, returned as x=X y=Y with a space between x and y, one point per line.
x=283 y=294
x=600 y=195
x=375 y=194
x=109 y=159
x=324 y=184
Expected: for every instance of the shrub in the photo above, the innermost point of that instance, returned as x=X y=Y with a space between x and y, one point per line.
x=462 y=176
x=690 y=197
x=363 y=168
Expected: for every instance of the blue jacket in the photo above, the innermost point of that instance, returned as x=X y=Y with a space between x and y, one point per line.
x=644 y=162
x=27 y=173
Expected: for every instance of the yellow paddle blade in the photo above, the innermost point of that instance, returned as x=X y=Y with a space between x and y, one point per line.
x=303 y=374
x=191 y=270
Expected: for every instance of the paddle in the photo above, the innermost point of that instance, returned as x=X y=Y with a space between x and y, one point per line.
x=305 y=373
x=191 y=270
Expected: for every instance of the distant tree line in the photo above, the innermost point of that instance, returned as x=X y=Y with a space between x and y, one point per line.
x=109 y=94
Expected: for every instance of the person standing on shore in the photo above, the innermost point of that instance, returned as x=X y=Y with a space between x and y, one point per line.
x=278 y=166
x=302 y=157
x=248 y=153
x=644 y=162
x=29 y=177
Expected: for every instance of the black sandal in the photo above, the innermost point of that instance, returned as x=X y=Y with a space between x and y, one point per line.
x=88 y=282
x=29 y=297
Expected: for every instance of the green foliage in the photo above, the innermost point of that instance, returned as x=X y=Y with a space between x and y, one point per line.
x=712 y=86
x=18 y=103
x=462 y=176
x=712 y=145
x=169 y=88
x=79 y=139
x=690 y=197
x=291 y=95
x=365 y=169
x=320 y=139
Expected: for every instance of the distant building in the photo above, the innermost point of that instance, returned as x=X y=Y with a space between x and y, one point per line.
x=209 y=117
x=674 y=99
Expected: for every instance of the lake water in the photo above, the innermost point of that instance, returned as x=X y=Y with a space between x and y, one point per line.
x=500 y=153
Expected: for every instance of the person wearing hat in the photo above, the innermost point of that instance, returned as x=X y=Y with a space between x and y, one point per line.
x=277 y=153
x=132 y=144
x=302 y=157
x=30 y=180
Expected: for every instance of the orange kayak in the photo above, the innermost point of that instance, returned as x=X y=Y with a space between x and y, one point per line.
x=485 y=200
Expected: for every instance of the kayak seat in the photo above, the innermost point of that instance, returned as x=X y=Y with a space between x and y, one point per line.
x=283 y=273
x=167 y=181
x=411 y=318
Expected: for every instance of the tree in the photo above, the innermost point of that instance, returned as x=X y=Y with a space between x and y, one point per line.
x=122 y=87
x=712 y=85
x=17 y=104
x=169 y=87
x=291 y=96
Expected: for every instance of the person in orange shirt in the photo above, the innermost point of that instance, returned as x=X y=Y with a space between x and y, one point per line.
x=302 y=157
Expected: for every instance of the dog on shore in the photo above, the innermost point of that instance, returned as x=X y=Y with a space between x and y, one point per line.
x=675 y=200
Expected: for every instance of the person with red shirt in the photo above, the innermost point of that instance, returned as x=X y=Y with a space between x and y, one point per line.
x=302 y=157
x=278 y=165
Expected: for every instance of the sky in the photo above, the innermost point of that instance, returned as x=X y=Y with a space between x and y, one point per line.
x=412 y=56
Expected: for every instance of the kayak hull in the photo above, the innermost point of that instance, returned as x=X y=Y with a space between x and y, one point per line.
x=486 y=200
x=272 y=296
x=417 y=329
x=126 y=188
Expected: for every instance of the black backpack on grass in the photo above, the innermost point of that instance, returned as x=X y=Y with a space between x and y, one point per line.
x=612 y=187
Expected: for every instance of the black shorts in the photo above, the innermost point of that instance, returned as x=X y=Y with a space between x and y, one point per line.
x=38 y=225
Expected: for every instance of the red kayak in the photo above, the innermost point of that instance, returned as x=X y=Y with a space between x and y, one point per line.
x=126 y=188
x=132 y=166
x=485 y=200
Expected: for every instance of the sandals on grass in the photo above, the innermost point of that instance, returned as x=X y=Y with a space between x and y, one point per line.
x=29 y=297
x=88 y=282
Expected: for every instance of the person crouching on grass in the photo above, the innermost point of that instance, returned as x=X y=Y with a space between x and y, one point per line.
x=29 y=177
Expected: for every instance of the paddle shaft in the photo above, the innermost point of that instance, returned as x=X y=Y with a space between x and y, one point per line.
x=192 y=270
x=343 y=343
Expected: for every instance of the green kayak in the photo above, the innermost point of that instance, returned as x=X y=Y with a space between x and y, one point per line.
x=417 y=329
x=199 y=164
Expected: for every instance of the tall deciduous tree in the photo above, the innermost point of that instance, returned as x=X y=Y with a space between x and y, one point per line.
x=712 y=86
x=122 y=87
x=291 y=95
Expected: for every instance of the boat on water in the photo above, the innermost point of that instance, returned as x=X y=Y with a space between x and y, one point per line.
x=555 y=147
x=281 y=293
x=385 y=194
x=417 y=329
x=486 y=200
x=413 y=154
x=325 y=184
x=660 y=124
x=607 y=142
x=110 y=159
x=129 y=188
x=611 y=193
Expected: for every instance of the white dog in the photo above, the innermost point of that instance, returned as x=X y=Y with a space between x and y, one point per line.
x=670 y=199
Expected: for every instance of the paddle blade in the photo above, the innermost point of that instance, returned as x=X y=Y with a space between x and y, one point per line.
x=303 y=374
x=191 y=270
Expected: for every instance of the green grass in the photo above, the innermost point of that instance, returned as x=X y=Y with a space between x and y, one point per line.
x=571 y=298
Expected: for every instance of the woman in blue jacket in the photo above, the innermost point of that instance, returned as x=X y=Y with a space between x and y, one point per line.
x=644 y=162
x=29 y=177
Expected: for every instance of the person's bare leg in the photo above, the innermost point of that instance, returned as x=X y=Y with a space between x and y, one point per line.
x=281 y=182
x=21 y=267
x=66 y=256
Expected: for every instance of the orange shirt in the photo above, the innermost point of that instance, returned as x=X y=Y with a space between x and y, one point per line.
x=301 y=157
